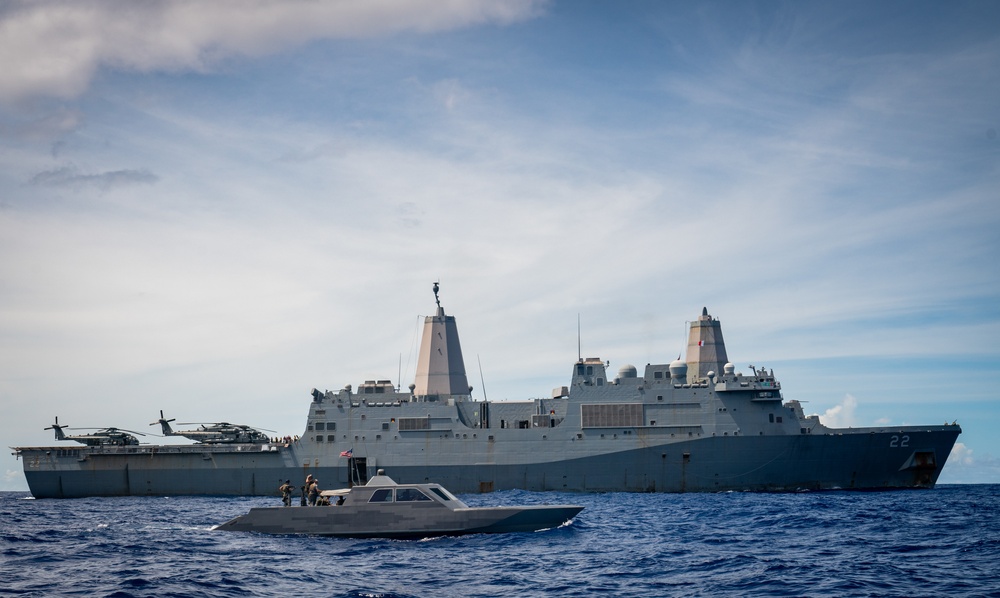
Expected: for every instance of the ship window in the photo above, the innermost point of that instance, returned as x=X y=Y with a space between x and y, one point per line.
x=590 y=370
x=381 y=495
x=410 y=495
x=600 y=381
x=658 y=375
x=319 y=438
x=579 y=370
x=770 y=417
x=385 y=425
x=444 y=495
x=331 y=438
x=320 y=425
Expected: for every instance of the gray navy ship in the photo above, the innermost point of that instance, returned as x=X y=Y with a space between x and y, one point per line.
x=693 y=425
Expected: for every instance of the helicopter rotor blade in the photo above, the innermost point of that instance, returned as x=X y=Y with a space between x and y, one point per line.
x=162 y=420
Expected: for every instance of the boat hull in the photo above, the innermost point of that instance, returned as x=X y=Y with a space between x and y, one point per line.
x=862 y=459
x=419 y=520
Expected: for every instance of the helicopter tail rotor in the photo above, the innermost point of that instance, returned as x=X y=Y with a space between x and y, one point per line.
x=58 y=429
x=164 y=424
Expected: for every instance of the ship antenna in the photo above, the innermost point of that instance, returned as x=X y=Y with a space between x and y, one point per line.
x=481 y=379
x=579 y=344
x=436 y=299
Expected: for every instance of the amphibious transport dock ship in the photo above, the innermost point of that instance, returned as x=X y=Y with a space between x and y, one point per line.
x=696 y=425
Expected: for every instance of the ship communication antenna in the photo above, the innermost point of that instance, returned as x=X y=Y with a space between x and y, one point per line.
x=436 y=299
x=481 y=378
x=579 y=343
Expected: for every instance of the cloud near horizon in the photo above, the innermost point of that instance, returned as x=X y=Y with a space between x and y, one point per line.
x=843 y=415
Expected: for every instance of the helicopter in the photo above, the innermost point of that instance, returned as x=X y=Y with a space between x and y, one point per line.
x=102 y=437
x=215 y=433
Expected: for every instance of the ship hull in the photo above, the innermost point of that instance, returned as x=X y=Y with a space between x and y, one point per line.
x=400 y=521
x=862 y=459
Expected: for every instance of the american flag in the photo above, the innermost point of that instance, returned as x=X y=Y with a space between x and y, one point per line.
x=348 y=453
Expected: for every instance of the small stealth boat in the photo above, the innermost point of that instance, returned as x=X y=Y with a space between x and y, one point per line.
x=384 y=509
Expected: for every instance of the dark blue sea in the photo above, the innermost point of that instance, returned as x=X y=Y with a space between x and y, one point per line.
x=941 y=542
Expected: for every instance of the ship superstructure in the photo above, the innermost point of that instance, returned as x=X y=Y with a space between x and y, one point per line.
x=690 y=425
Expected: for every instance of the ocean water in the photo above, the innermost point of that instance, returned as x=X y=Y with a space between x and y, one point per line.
x=941 y=542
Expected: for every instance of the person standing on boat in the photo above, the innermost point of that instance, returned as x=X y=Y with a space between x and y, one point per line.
x=305 y=489
x=313 y=492
x=286 y=493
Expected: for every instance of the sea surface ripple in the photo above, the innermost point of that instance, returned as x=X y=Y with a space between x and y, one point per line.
x=941 y=542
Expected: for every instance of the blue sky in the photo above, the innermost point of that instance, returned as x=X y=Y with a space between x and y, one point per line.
x=212 y=209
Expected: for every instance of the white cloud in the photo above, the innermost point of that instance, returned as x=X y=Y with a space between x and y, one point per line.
x=961 y=454
x=841 y=415
x=54 y=47
x=964 y=467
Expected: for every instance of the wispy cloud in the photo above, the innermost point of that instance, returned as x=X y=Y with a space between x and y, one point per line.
x=69 y=176
x=54 y=47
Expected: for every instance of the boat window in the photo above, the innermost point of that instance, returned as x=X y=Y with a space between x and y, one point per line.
x=320 y=425
x=381 y=495
x=444 y=495
x=410 y=495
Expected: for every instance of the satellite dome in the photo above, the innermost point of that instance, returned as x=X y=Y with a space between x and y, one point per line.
x=627 y=371
x=729 y=369
x=678 y=369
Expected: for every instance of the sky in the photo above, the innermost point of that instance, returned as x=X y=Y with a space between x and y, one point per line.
x=212 y=208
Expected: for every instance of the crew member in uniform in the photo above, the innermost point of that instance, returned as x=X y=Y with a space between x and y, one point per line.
x=305 y=489
x=286 y=493
x=313 y=492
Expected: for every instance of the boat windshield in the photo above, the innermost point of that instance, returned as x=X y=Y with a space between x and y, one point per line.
x=444 y=494
x=410 y=494
x=381 y=495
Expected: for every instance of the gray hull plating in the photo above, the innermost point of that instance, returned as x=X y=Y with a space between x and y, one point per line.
x=419 y=521
x=677 y=427
x=763 y=463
